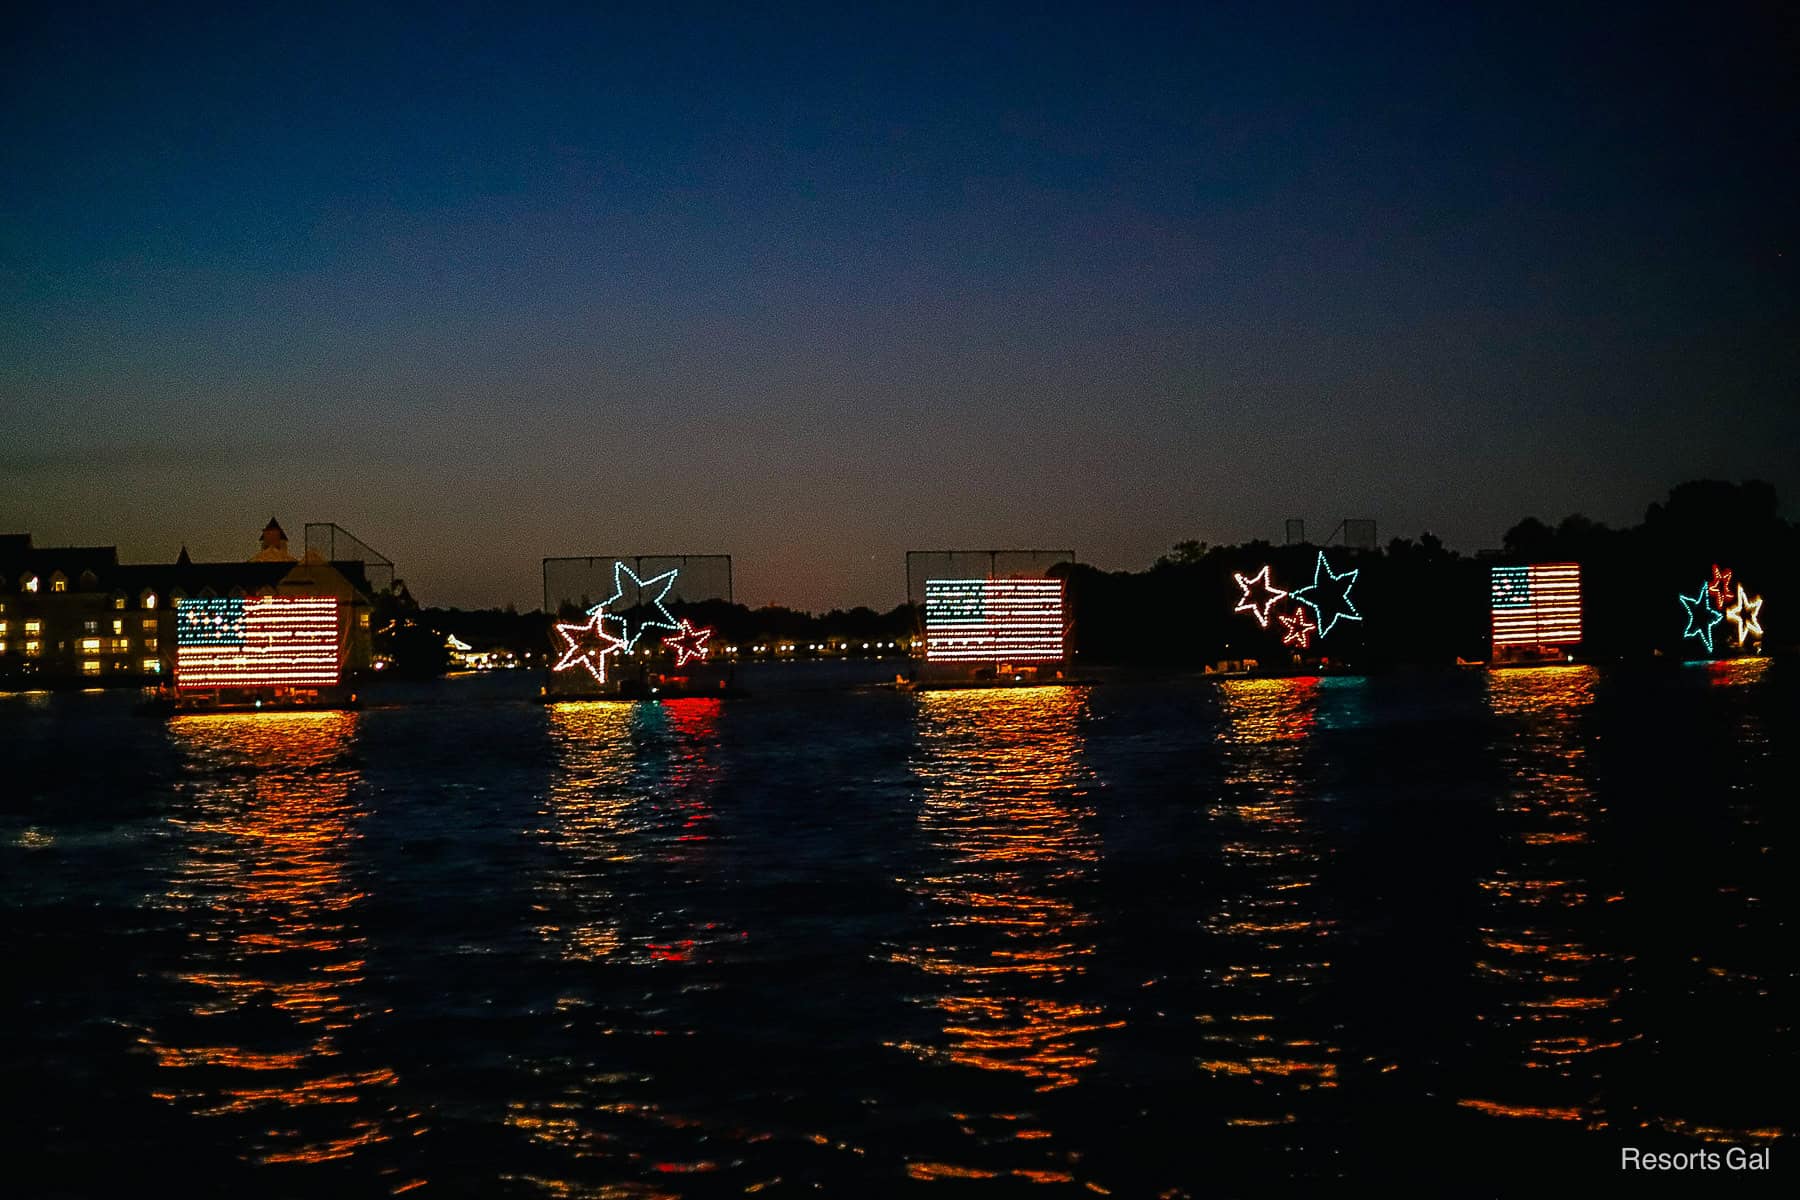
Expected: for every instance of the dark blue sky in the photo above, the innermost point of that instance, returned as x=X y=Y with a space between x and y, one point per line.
x=484 y=287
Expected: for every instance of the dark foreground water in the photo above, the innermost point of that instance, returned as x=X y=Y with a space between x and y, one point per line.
x=1191 y=939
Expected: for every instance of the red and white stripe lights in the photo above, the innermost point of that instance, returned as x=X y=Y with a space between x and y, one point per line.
x=995 y=620
x=1536 y=605
x=264 y=641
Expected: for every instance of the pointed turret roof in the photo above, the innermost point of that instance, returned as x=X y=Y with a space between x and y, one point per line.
x=274 y=544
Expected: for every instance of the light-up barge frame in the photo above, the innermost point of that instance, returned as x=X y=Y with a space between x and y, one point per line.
x=633 y=627
x=260 y=652
x=989 y=618
x=1536 y=613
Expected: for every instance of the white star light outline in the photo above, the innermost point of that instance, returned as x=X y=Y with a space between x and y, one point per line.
x=1349 y=613
x=1261 y=613
x=588 y=644
x=1702 y=600
x=667 y=579
x=1746 y=615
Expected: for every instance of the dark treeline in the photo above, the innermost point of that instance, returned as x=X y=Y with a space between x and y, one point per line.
x=1421 y=602
x=1424 y=603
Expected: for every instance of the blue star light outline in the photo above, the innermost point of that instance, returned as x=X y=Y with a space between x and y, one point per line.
x=1349 y=613
x=667 y=579
x=1703 y=600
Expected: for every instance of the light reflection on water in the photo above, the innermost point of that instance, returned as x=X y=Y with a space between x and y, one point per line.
x=1547 y=993
x=1698 y=1111
x=1007 y=824
x=273 y=969
x=1147 y=939
x=1736 y=672
x=628 y=814
x=1274 y=942
x=632 y=786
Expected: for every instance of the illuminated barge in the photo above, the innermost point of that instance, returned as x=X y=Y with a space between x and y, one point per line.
x=994 y=633
x=631 y=645
x=259 y=652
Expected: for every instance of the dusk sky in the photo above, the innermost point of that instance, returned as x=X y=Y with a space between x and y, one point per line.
x=483 y=285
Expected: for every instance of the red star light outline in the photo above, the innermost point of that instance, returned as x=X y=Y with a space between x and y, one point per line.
x=1247 y=605
x=1299 y=629
x=688 y=642
x=1720 y=587
x=588 y=645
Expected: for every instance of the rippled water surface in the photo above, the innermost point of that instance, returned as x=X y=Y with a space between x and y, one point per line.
x=1173 y=940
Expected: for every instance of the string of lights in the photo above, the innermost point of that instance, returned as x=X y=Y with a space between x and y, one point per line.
x=1270 y=593
x=1537 y=605
x=994 y=620
x=263 y=641
x=1331 y=598
x=1702 y=616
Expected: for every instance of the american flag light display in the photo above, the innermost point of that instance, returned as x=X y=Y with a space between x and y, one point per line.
x=263 y=641
x=1539 y=605
x=994 y=620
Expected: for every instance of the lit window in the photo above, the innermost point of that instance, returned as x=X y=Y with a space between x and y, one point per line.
x=149 y=624
x=2 y=626
x=30 y=582
x=34 y=627
x=118 y=626
x=365 y=619
x=90 y=645
x=59 y=585
x=2 y=647
x=32 y=647
x=152 y=666
x=118 y=602
x=149 y=643
x=149 y=599
x=90 y=627
x=121 y=645
x=90 y=666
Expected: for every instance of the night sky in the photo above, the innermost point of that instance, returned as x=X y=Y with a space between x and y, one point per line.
x=484 y=287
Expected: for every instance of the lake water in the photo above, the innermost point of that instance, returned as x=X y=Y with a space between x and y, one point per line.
x=1170 y=939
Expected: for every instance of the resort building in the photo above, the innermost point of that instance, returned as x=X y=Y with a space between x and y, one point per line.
x=71 y=614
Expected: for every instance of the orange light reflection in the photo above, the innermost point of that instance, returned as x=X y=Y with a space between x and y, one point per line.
x=1007 y=815
x=630 y=796
x=1274 y=944
x=1550 y=1010
x=274 y=959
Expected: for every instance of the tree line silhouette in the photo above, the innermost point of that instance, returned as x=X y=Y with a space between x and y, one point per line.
x=1421 y=602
